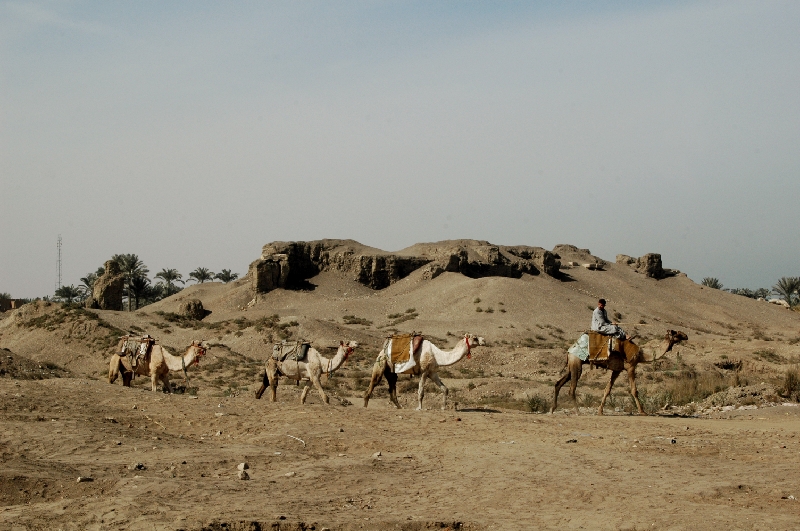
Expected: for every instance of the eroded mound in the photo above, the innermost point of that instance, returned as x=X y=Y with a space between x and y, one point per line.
x=21 y=368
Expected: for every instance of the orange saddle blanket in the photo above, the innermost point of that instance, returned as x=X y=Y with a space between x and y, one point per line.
x=402 y=347
x=599 y=346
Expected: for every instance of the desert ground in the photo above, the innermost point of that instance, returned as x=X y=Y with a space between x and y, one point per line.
x=720 y=448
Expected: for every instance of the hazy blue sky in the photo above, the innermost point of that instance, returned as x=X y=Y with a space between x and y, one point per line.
x=192 y=133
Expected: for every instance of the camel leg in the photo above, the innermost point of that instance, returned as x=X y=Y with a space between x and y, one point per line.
x=391 y=379
x=154 y=380
x=634 y=392
x=421 y=391
x=614 y=375
x=320 y=390
x=271 y=379
x=127 y=377
x=377 y=375
x=304 y=394
x=575 y=370
x=166 y=383
x=559 y=384
x=443 y=387
x=264 y=385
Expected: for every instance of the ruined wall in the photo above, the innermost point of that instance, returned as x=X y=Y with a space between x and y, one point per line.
x=290 y=264
x=108 y=288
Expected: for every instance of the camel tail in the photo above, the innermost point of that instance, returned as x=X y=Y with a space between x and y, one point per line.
x=264 y=385
x=113 y=370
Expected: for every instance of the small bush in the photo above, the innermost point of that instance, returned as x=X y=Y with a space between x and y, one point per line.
x=791 y=384
x=352 y=319
x=769 y=355
x=477 y=300
x=537 y=404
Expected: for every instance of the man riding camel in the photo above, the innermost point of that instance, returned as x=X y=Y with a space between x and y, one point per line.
x=602 y=324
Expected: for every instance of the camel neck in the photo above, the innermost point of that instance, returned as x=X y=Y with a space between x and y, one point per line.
x=449 y=357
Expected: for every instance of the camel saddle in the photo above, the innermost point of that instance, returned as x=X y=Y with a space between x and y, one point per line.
x=600 y=346
x=290 y=350
x=134 y=350
x=403 y=345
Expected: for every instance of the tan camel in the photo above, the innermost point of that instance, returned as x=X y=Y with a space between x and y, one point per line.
x=311 y=369
x=428 y=359
x=158 y=365
x=626 y=358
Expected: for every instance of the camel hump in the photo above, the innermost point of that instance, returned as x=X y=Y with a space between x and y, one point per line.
x=291 y=350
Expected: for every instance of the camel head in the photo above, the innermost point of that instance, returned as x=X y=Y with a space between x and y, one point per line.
x=348 y=347
x=473 y=341
x=200 y=350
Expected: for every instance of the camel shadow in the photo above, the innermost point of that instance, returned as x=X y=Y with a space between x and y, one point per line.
x=478 y=410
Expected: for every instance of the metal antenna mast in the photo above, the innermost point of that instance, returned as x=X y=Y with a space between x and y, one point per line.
x=58 y=285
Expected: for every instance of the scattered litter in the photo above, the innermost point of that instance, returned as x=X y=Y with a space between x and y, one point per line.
x=295 y=438
x=84 y=479
x=673 y=441
x=572 y=441
x=243 y=475
x=377 y=455
x=137 y=466
x=290 y=474
x=242 y=466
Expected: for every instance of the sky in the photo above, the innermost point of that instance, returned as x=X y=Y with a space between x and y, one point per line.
x=193 y=133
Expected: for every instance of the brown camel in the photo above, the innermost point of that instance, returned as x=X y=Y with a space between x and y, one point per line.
x=626 y=357
x=427 y=359
x=156 y=365
x=310 y=369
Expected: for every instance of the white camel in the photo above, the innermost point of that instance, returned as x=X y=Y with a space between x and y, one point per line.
x=310 y=369
x=428 y=359
x=158 y=365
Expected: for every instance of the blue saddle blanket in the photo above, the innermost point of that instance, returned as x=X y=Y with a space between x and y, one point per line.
x=581 y=347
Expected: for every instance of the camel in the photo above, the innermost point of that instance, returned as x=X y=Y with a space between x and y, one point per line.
x=626 y=358
x=158 y=365
x=428 y=358
x=310 y=369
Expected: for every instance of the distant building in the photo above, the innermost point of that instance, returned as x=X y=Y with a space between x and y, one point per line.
x=10 y=304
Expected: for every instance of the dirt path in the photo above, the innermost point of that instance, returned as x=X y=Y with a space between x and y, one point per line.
x=320 y=465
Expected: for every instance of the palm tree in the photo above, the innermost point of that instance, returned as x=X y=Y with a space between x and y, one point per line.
x=132 y=268
x=226 y=276
x=169 y=276
x=711 y=282
x=138 y=289
x=87 y=285
x=201 y=274
x=789 y=289
x=68 y=293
